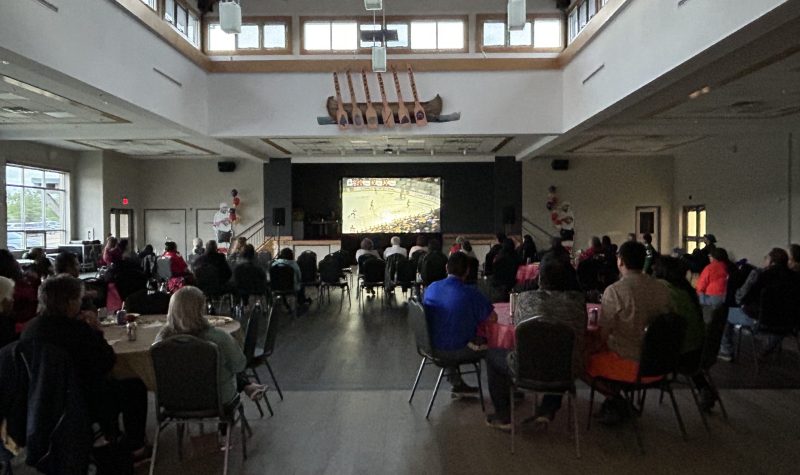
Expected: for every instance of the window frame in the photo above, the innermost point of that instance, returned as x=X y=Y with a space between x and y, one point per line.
x=286 y=21
x=65 y=219
x=190 y=11
x=507 y=48
x=579 y=4
x=368 y=20
x=697 y=238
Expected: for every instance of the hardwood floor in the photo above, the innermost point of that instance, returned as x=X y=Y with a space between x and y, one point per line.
x=346 y=378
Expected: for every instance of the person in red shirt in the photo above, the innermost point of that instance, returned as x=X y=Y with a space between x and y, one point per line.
x=713 y=281
x=178 y=267
x=595 y=249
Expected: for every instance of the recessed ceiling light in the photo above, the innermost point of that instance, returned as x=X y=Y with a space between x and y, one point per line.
x=4 y=62
x=359 y=142
x=60 y=115
x=702 y=91
x=416 y=141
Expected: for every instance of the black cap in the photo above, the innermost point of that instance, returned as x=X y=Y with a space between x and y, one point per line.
x=710 y=238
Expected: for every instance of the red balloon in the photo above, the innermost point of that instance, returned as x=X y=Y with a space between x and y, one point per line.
x=236 y=201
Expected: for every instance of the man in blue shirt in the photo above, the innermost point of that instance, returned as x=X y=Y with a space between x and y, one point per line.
x=454 y=312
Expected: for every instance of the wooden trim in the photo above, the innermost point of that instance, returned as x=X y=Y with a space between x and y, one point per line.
x=502 y=144
x=276 y=146
x=482 y=18
x=596 y=24
x=328 y=65
x=155 y=23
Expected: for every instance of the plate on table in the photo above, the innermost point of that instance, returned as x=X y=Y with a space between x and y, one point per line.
x=219 y=321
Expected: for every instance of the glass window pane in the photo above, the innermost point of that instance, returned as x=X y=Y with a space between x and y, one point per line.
x=520 y=37
x=275 y=36
x=702 y=226
x=181 y=21
x=192 y=30
x=218 y=40
x=423 y=35
x=547 y=33
x=317 y=36
x=691 y=246
x=248 y=38
x=14 y=207
x=123 y=226
x=34 y=217
x=54 y=208
x=344 y=36
x=15 y=241
x=582 y=17
x=54 y=180
x=55 y=239
x=691 y=223
x=169 y=11
x=494 y=33
x=402 y=35
x=592 y=7
x=33 y=177
x=13 y=175
x=451 y=35
x=369 y=43
x=34 y=240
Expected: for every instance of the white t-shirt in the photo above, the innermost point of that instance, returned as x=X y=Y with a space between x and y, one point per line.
x=417 y=248
x=361 y=252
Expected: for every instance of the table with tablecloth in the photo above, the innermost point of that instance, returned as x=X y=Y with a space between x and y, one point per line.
x=500 y=334
x=133 y=357
x=526 y=273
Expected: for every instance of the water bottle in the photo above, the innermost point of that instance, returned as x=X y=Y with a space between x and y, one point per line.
x=122 y=317
x=131 y=328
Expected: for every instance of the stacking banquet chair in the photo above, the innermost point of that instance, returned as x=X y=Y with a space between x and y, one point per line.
x=779 y=317
x=216 y=290
x=702 y=362
x=419 y=322
x=373 y=273
x=281 y=282
x=332 y=276
x=264 y=349
x=146 y=303
x=406 y=276
x=257 y=318
x=543 y=363
x=307 y=261
x=658 y=363
x=163 y=272
x=188 y=390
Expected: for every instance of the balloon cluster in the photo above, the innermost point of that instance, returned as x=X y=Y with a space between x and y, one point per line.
x=232 y=210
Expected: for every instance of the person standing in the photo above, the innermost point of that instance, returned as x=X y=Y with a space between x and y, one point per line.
x=713 y=281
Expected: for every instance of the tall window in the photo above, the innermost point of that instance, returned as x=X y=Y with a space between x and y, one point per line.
x=579 y=16
x=260 y=35
x=694 y=227
x=151 y=3
x=540 y=33
x=183 y=19
x=37 y=204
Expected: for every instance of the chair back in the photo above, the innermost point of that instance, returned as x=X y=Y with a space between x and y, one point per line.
x=661 y=345
x=433 y=267
x=187 y=374
x=271 y=335
x=330 y=269
x=392 y=264
x=163 y=268
x=141 y=301
x=149 y=264
x=544 y=352
x=281 y=277
x=343 y=257
x=418 y=255
x=419 y=323
x=208 y=279
x=406 y=271
x=307 y=261
x=779 y=307
x=362 y=260
x=374 y=270
x=254 y=322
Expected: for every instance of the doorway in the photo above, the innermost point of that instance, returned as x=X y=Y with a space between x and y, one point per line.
x=161 y=225
x=121 y=225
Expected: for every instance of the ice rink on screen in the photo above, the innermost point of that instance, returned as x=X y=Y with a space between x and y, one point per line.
x=389 y=209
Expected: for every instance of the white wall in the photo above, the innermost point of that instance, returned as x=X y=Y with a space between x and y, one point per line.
x=743 y=182
x=604 y=193
x=97 y=43
x=87 y=196
x=503 y=102
x=645 y=41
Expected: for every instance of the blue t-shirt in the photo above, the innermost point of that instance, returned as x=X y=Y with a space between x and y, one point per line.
x=454 y=311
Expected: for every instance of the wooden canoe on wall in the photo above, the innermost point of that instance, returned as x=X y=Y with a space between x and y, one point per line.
x=433 y=108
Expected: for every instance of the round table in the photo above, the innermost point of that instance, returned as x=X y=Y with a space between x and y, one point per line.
x=500 y=334
x=133 y=357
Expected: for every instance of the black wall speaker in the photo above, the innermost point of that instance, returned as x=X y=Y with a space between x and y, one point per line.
x=279 y=216
x=509 y=215
x=560 y=164
x=226 y=167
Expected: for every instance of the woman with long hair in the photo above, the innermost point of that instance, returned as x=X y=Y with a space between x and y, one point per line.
x=185 y=317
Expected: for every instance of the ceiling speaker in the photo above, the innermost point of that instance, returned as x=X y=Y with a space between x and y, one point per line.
x=559 y=164
x=379 y=59
x=516 y=15
x=226 y=167
x=230 y=17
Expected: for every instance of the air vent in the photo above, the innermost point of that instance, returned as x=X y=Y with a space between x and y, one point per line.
x=19 y=110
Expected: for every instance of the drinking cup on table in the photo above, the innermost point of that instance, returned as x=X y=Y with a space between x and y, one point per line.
x=593 y=317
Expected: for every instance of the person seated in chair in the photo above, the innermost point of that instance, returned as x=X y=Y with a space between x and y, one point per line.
x=177 y=266
x=62 y=323
x=248 y=277
x=286 y=257
x=505 y=267
x=454 y=312
x=433 y=266
x=395 y=248
x=214 y=259
x=367 y=247
x=774 y=272
x=628 y=306
x=554 y=301
x=185 y=317
x=421 y=245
